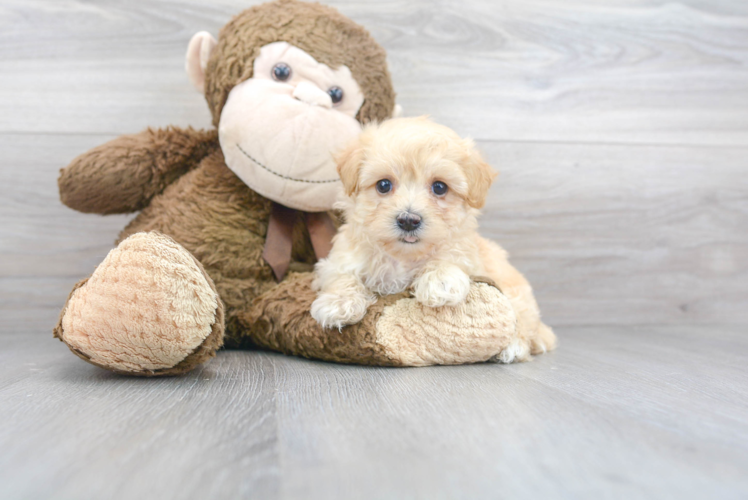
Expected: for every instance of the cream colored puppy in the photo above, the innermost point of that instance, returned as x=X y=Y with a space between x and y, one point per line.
x=412 y=193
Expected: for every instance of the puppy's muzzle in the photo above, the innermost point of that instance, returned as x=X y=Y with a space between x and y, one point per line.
x=408 y=221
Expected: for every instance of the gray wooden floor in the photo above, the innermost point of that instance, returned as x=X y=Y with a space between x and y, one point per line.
x=621 y=131
x=618 y=412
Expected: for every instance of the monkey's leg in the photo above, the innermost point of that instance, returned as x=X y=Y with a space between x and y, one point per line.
x=396 y=331
x=148 y=309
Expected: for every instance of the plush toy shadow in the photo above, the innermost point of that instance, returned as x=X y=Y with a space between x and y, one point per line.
x=232 y=220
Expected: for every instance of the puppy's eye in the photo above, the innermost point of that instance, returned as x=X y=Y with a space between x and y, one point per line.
x=336 y=94
x=281 y=72
x=384 y=186
x=439 y=188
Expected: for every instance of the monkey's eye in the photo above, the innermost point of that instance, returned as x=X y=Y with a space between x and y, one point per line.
x=336 y=94
x=281 y=72
x=439 y=188
x=384 y=186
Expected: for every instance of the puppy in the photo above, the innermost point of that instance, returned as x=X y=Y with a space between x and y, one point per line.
x=412 y=193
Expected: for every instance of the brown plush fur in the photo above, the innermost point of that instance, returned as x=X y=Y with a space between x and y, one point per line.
x=223 y=223
x=179 y=179
x=279 y=320
x=396 y=331
x=124 y=174
x=321 y=31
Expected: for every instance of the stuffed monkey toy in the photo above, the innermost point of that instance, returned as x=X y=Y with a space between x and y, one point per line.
x=232 y=220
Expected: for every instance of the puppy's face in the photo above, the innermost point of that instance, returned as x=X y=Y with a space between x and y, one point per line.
x=413 y=185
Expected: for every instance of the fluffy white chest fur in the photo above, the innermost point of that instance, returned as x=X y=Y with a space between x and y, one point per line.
x=387 y=275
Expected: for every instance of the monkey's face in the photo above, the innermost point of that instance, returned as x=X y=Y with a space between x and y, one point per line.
x=279 y=129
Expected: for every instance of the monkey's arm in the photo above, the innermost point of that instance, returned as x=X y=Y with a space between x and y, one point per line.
x=123 y=174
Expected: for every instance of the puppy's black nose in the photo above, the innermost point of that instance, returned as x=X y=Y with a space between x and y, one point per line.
x=408 y=221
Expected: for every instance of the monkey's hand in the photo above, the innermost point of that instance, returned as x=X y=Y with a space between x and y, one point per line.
x=123 y=174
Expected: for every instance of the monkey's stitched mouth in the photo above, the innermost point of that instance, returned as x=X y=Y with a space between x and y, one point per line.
x=286 y=177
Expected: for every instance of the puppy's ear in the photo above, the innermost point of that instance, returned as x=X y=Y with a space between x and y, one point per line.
x=349 y=165
x=479 y=175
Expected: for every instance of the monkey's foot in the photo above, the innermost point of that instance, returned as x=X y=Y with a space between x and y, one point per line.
x=396 y=331
x=148 y=309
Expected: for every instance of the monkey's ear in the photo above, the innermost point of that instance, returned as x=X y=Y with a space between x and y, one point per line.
x=196 y=60
x=479 y=175
x=349 y=165
x=397 y=112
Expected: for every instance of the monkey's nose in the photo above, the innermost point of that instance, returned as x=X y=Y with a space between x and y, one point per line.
x=408 y=221
x=311 y=94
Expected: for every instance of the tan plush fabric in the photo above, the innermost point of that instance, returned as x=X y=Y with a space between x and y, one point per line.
x=286 y=155
x=147 y=307
x=417 y=335
x=321 y=31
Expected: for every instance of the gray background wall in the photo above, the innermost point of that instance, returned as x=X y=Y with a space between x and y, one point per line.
x=620 y=129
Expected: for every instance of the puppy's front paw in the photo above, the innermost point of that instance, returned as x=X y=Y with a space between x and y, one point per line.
x=335 y=311
x=448 y=285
